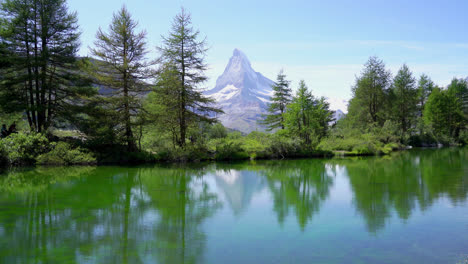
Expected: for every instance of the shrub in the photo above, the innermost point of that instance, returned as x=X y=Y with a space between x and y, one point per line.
x=217 y=131
x=22 y=148
x=64 y=154
x=464 y=137
x=230 y=150
x=189 y=153
x=283 y=147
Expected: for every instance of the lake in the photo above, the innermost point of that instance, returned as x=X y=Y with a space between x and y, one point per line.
x=408 y=207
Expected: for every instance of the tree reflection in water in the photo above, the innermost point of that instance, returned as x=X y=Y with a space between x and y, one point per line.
x=301 y=186
x=115 y=215
x=405 y=181
x=157 y=214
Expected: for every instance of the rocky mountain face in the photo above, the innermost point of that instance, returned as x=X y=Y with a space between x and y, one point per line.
x=242 y=93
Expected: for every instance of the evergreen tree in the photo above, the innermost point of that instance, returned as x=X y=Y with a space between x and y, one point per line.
x=425 y=86
x=324 y=116
x=162 y=104
x=121 y=67
x=280 y=100
x=307 y=116
x=42 y=80
x=459 y=89
x=443 y=113
x=369 y=102
x=404 y=97
x=186 y=54
x=299 y=113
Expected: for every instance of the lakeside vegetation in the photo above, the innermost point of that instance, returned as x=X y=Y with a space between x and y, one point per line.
x=122 y=106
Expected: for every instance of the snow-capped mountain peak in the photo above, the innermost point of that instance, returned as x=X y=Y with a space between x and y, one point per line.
x=242 y=92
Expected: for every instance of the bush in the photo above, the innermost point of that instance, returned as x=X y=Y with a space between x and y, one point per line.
x=64 y=154
x=464 y=137
x=217 y=131
x=283 y=147
x=230 y=150
x=189 y=153
x=22 y=148
x=364 y=144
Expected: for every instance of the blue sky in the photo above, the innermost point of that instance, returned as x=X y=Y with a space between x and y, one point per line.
x=323 y=42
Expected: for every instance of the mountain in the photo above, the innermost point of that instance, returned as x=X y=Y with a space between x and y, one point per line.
x=242 y=93
x=338 y=115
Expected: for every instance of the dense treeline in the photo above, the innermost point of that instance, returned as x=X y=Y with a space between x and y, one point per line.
x=121 y=105
x=385 y=112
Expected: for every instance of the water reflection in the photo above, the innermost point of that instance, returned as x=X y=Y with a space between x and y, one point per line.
x=159 y=214
x=298 y=186
x=238 y=186
x=183 y=201
x=405 y=181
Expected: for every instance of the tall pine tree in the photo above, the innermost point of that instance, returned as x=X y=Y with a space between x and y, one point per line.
x=308 y=117
x=42 y=80
x=425 y=86
x=121 y=66
x=183 y=50
x=369 y=102
x=404 y=101
x=279 y=102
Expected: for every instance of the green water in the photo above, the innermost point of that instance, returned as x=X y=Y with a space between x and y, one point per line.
x=410 y=207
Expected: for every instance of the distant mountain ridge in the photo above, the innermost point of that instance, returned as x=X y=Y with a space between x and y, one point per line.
x=242 y=93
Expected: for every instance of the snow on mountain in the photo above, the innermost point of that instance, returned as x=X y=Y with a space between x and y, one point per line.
x=338 y=115
x=242 y=93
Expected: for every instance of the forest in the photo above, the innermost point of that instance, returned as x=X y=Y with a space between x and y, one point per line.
x=121 y=106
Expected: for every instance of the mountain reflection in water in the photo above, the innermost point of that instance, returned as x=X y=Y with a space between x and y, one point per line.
x=355 y=210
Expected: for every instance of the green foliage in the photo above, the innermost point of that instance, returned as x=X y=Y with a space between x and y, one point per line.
x=368 y=104
x=122 y=68
x=43 y=78
x=229 y=150
x=458 y=88
x=387 y=133
x=217 y=131
x=63 y=154
x=282 y=146
x=348 y=140
x=443 y=114
x=280 y=100
x=425 y=87
x=182 y=74
x=22 y=148
x=308 y=118
x=189 y=153
x=404 y=98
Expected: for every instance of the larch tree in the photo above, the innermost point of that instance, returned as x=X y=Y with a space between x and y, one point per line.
x=369 y=102
x=122 y=68
x=443 y=113
x=308 y=117
x=185 y=53
x=279 y=102
x=425 y=86
x=459 y=89
x=40 y=40
x=162 y=104
x=298 y=114
x=404 y=101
